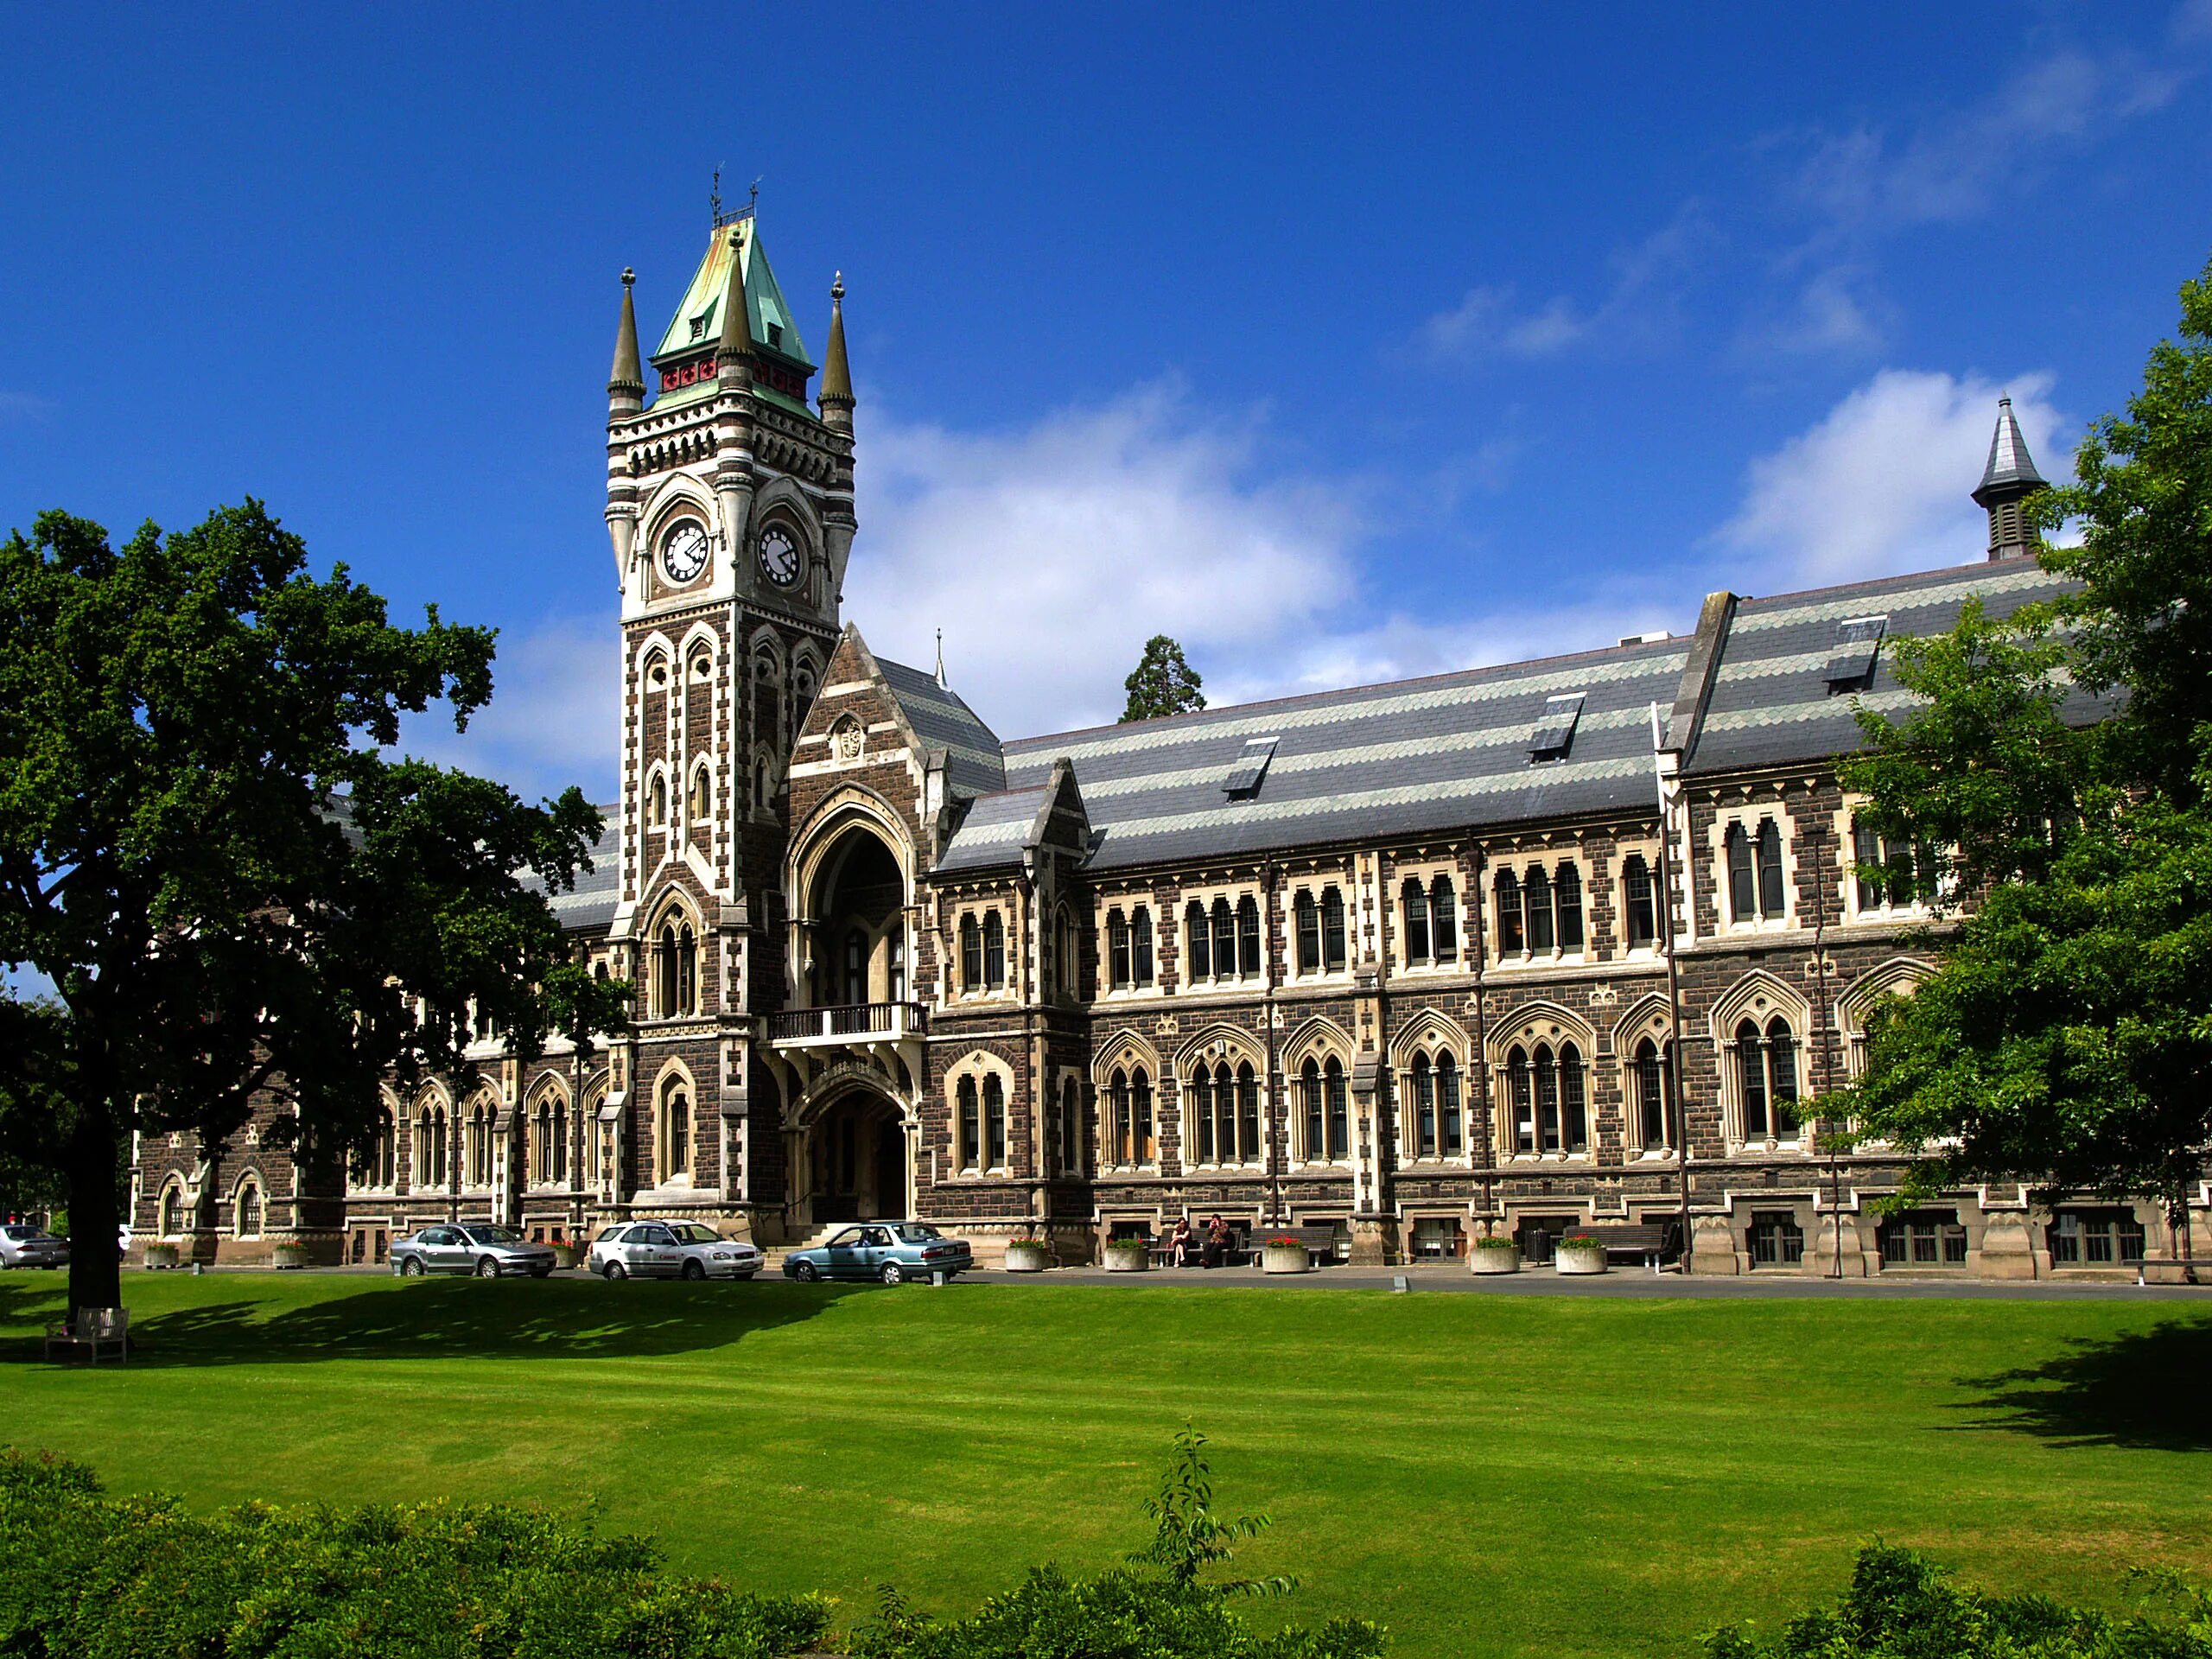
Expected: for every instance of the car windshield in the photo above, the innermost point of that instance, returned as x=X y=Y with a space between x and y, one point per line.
x=915 y=1233
x=692 y=1232
x=493 y=1234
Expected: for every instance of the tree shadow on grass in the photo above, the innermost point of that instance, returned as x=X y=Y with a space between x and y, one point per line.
x=2143 y=1389
x=497 y=1319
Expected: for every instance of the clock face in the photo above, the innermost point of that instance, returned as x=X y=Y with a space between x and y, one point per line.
x=780 y=555
x=684 y=555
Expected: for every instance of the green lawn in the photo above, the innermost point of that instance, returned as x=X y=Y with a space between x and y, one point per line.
x=1484 y=1474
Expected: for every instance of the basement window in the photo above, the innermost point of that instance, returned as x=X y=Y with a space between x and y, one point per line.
x=1850 y=664
x=1244 y=780
x=1554 y=730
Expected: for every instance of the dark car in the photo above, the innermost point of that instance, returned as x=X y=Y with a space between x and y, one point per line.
x=890 y=1250
x=470 y=1246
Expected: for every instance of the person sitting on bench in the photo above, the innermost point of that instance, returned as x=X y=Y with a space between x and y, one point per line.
x=1178 y=1244
x=1216 y=1242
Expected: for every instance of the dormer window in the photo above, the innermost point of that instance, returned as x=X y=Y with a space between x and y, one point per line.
x=1243 y=779
x=1554 y=730
x=1851 y=664
x=703 y=321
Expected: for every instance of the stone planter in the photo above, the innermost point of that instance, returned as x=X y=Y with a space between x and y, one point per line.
x=1126 y=1258
x=1027 y=1256
x=1589 y=1258
x=289 y=1257
x=1504 y=1257
x=564 y=1255
x=1285 y=1258
x=161 y=1255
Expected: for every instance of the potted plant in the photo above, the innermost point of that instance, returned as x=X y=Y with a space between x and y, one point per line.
x=1494 y=1255
x=1579 y=1253
x=564 y=1254
x=161 y=1255
x=1027 y=1255
x=1285 y=1254
x=1127 y=1256
x=287 y=1254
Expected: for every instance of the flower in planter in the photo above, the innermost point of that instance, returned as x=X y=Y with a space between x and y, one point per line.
x=1581 y=1242
x=1286 y=1244
x=1496 y=1244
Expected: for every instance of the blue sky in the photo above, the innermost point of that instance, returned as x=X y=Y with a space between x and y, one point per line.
x=1341 y=343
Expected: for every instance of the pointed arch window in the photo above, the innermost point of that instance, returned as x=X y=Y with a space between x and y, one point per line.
x=431 y=1166
x=1198 y=1115
x=1424 y=1092
x=1652 y=1095
x=478 y=1140
x=172 y=1221
x=675 y=1132
x=994 y=951
x=994 y=1121
x=1120 y=1141
x=657 y=803
x=703 y=794
x=969 y=1152
x=1766 y=1079
x=246 y=1217
x=1450 y=1114
x=1313 y=1134
x=1338 y=1101
x=1248 y=1114
x=1147 y=1145
x=1547 y=1097
x=675 y=970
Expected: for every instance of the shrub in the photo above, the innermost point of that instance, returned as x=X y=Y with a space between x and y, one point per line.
x=1494 y=1243
x=1902 y=1605
x=85 y=1575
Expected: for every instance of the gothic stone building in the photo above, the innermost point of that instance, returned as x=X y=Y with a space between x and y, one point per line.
x=1393 y=960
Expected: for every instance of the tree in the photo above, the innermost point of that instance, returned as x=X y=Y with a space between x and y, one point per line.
x=2066 y=1039
x=1162 y=682
x=237 y=895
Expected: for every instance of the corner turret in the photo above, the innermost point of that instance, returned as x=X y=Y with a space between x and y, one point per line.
x=625 y=398
x=2009 y=480
x=836 y=373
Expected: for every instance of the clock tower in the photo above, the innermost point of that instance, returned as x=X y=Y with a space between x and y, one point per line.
x=730 y=503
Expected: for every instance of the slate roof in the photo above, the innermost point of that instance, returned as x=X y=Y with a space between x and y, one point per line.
x=590 y=904
x=1451 y=753
x=974 y=762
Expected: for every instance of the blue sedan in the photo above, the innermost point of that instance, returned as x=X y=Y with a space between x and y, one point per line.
x=893 y=1251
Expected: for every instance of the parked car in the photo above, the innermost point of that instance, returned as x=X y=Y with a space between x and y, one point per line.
x=22 y=1245
x=671 y=1250
x=890 y=1250
x=470 y=1246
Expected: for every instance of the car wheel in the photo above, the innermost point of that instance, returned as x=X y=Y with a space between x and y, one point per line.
x=806 y=1272
x=892 y=1273
x=412 y=1268
x=488 y=1268
x=616 y=1272
x=695 y=1270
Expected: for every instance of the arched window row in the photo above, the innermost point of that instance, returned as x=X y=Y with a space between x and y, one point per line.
x=1767 y=1089
x=1430 y=911
x=1324 y=1112
x=1539 y=910
x=1547 y=1100
x=1319 y=923
x=980 y=1123
x=1755 y=883
x=1436 y=1119
x=1221 y=1114
x=982 y=952
x=1222 y=942
x=1128 y=948
x=1131 y=1139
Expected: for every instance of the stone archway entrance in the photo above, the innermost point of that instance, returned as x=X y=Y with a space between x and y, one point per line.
x=857 y=1164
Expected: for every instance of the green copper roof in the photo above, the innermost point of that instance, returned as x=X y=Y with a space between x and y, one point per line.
x=698 y=323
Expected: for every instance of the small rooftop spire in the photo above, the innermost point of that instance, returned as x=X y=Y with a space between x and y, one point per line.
x=626 y=382
x=2009 y=479
x=736 y=347
x=836 y=373
x=940 y=656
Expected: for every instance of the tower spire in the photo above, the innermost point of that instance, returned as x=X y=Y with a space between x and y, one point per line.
x=940 y=656
x=836 y=373
x=625 y=383
x=2009 y=479
x=734 y=356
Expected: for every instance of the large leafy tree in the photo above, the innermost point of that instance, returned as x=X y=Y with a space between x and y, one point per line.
x=2067 y=1037
x=1162 y=682
x=236 y=894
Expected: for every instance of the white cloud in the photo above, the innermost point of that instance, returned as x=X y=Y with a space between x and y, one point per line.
x=553 y=719
x=1881 y=484
x=1049 y=556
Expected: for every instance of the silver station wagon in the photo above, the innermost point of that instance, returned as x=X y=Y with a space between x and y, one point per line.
x=671 y=1250
x=488 y=1252
x=892 y=1251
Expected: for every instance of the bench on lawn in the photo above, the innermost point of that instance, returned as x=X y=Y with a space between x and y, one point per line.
x=1647 y=1243
x=91 y=1332
x=2177 y=1264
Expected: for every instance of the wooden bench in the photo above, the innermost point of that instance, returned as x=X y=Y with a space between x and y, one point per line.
x=1647 y=1243
x=2179 y=1264
x=1320 y=1240
x=91 y=1332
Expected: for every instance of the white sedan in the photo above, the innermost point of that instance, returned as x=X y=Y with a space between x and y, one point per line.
x=671 y=1250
